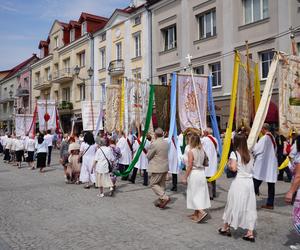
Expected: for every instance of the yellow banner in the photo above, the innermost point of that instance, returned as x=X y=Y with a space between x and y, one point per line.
x=227 y=140
x=122 y=106
x=256 y=88
x=284 y=164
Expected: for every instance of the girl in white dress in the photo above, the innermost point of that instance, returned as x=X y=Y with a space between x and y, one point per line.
x=197 y=189
x=240 y=210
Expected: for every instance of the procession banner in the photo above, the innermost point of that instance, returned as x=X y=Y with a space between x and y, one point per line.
x=136 y=101
x=90 y=113
x=190 y=115
x=244 y=103
x=227 y=139
x=99 y=123
x=263 y=107
x=112 y=112
x=161 y=105
x=289 y=93
x=23 y=124
x=47 y=115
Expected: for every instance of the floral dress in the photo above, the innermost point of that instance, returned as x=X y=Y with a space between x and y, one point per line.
x=296 y=207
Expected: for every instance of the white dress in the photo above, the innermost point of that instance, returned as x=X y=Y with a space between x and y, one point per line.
x=240 y=210
x=86 y=174
x=197 y=189
x=142 y=162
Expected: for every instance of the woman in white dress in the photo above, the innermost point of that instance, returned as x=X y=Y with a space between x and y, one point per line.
x=87 y=152
x=240 y=210
x=197 y=189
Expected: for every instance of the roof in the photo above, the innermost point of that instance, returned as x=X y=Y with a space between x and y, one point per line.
x=87 y=16
x=73 y=24
x=15 y=69
x=64 y=25
x=151 y=2
x=43 y=44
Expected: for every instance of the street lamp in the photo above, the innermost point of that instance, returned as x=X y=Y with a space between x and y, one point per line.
x=90 y=72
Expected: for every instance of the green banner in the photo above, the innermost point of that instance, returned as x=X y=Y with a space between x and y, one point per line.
x=147 y=125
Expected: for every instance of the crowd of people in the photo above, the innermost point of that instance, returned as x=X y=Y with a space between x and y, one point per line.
x=97 y=161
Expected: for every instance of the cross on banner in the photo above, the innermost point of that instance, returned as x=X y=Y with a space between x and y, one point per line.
x=189 y=58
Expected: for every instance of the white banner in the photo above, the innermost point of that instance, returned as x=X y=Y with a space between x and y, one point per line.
x=46 y=109
x=90 y=114
x=23 y=123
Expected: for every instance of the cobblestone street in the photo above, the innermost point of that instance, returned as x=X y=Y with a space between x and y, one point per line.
x=39 y=211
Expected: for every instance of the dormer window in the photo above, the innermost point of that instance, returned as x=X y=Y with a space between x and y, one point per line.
x=72 y=35
x=83 y=28
x=137 y=20
x=42 y=52
x=56 y=42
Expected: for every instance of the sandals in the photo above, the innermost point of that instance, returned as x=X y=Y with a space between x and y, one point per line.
x=249 y=238
x=225 y=232
x=200 y=219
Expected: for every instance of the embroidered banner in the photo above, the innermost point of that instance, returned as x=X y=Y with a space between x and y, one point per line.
x=90 y=113
x=289 y=93
x=112 y=112
x=47 y=115
x=23 y=123
x=190 y=115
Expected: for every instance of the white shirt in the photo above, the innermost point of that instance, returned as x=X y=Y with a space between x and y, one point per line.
x=3 y=140
x=42 y=148
x=8 y=143
x=49 y=139
x=102 y=163
x=19 y=145
x=211 y=152
x=13 y=144
x=125 y=151
x=30 y=145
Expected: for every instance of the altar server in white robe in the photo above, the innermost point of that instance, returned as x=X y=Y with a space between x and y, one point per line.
x=142 y=162
x=265 y=165
x=210 y=146
x=125 y=146
x=173 y=164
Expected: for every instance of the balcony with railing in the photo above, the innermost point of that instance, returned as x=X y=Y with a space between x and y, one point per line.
x=22 y=91
x=63 y=75
x=65 y=107
x=116 y=67
x=42 y=83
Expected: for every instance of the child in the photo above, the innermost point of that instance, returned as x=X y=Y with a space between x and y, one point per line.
x=73 y=169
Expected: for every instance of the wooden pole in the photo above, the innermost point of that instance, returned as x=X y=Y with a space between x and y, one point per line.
x=250 y=91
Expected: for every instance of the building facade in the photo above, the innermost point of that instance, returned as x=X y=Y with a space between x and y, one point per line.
x=210 y=30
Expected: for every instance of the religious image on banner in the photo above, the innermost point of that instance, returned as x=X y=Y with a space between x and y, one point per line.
x=90 y=115
x=245 y=100
x=112 y=112
x=162 y=106
x=47 y=115
x=24 y=124
x=136 y=104
x=191 y=115
x=289 y=93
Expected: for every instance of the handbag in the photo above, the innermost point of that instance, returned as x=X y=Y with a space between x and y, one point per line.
x=230 y=173
x=110 y=167
x=206 y=160
x=80 y=158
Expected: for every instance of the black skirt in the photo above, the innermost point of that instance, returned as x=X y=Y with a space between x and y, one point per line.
x=19 y=155
x=41 y=160
x=30 y=156
x=6 y=155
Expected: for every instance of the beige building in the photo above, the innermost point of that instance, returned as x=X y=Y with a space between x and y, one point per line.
x=210 y=30
x=68 y=46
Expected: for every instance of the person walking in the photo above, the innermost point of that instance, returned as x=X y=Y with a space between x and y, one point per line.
x=265 y=165
x=29 y=148
x=240 y=210
x=19 y=147
x=64 y=154
x=49 y=140
x=41 y=149
x=158 y=168
x=87 y=153
x=125 y=145
x=8 y=143
x=197 y=190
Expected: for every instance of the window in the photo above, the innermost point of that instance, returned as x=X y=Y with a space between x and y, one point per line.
x=5 y=107
x=255 y=10
x=72 y=35
x=56 y=95
x=82 y=92
x=66 y=94
x=169 y=36
x=215 y=69
x=56 y=42
x=42 y=52
x=102 y=58
x=103 y=91
x=119 y=51
x=207 y=24
x=83 y=28
x=66 y=63
x=48 y=74
x=103 y=37
x=163 y=79
x=199 y=70
x=265 y=59
x=137 y=20
x=137 y=45
x=81 y=59
x=137 y=74
x=37 y=77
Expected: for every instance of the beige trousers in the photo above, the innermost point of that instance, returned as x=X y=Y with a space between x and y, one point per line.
x=158 y=184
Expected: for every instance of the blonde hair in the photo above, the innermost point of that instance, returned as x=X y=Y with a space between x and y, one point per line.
x=194 y=141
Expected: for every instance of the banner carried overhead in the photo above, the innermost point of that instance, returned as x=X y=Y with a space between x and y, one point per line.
x=24 y=124
x=47 y=115
x=90 y=115
x=112 y=112
x=289 y=93
x=192 y=101
x=161 y=105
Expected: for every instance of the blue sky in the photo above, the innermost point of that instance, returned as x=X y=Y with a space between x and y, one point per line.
x=23 y=23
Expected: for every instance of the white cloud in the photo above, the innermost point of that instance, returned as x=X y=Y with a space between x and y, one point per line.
x=8 y=7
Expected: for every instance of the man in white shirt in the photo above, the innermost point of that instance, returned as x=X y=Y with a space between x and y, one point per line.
x=210 y=146
x=265 y=165
x=49 y=141
x=125 y=146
